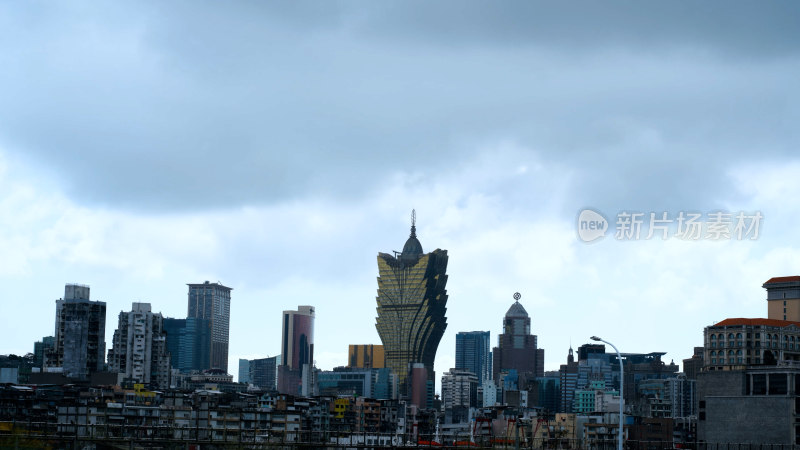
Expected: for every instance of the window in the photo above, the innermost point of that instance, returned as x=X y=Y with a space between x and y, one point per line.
x=759 y=384
x=777 y=384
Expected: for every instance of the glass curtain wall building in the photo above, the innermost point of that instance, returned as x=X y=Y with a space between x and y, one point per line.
x=472 y=354
x=411 y=307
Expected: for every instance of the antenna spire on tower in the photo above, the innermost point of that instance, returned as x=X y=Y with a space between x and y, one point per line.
x=413 y=223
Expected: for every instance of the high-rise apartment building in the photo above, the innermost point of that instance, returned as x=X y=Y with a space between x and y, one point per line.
x=80 y=332
x=212 y=301
x=472 y=353
x=139 y=348
x=366 y=356
x=517 y=347
x=681 y=394
x=297 y=350
x=459 y=389
x=188 y=343
x=411 y=307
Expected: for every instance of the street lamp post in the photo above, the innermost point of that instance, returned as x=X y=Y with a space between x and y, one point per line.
x=621 y=390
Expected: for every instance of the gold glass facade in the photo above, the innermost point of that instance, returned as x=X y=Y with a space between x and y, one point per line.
x=411 y=307
x=366 y=356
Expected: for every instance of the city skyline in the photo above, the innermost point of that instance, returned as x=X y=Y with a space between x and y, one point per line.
x=516 y=319
x=276 y=148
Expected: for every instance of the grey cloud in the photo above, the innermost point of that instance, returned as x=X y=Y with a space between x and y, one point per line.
x=738 y=27
x=186 y=106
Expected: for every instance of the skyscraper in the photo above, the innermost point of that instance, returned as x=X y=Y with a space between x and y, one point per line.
x=297 y=349
x=472 y=353
x=411 y=307
x=139 y=349
x=517 y=347
x=188 y=343
x=80 y=338
x=212 y=301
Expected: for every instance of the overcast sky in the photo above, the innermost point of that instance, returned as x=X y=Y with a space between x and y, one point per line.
x=277 y=147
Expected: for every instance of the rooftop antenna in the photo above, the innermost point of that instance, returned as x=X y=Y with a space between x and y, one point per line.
x=413 y=223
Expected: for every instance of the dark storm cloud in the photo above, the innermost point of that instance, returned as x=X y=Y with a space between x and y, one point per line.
x=191 y=105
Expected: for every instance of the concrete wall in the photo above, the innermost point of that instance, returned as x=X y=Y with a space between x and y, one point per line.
x=726 y=415
x=747 y=420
